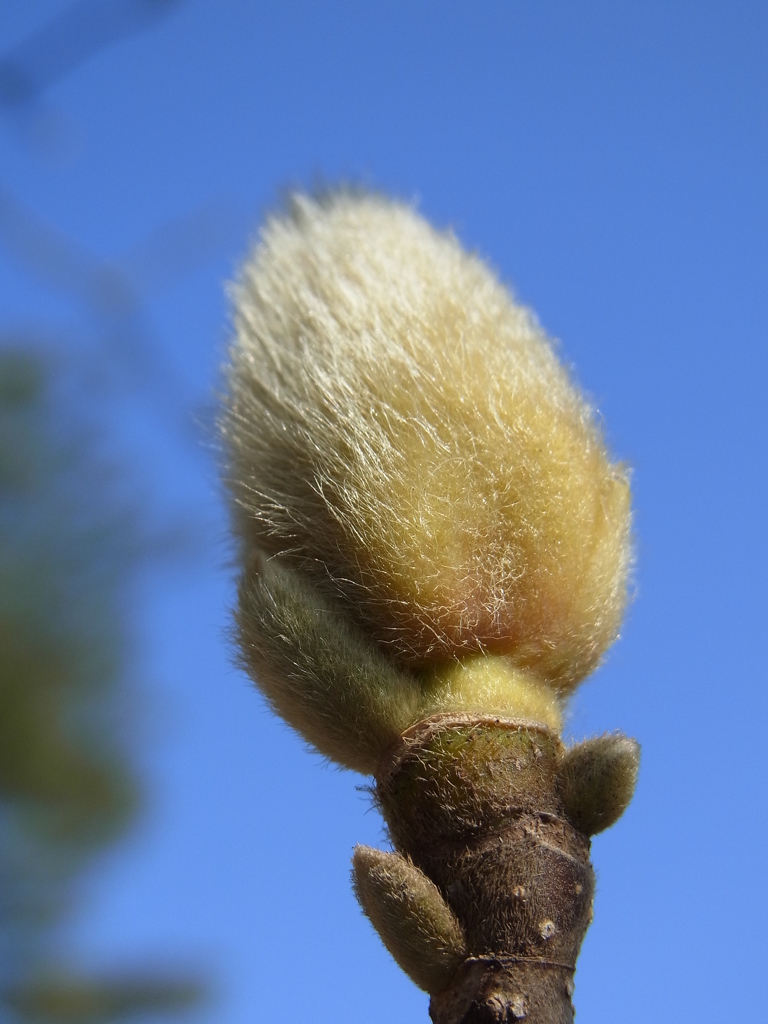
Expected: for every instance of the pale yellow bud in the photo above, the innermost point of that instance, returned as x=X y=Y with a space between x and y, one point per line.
x=401 y=435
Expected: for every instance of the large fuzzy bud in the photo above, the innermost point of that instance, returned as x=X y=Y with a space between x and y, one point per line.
x=402 y=436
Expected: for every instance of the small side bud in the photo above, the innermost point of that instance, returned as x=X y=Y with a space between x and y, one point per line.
x=596 y=779
x=407 y=910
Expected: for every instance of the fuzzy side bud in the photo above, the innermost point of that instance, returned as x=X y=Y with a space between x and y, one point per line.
x=415 y=923
x=596 y=780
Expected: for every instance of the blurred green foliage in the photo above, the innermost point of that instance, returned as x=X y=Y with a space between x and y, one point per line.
x=67 y=551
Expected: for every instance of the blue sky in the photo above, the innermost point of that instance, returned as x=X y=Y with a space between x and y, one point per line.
x=611 y=161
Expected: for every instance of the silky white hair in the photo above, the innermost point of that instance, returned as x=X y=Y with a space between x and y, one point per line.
x=401 y=436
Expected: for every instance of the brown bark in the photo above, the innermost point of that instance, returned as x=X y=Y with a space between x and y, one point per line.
x=475 y=803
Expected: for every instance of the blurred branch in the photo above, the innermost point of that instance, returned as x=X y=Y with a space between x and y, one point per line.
x=56 y=261
x=68 y=548
x=68 y=40
x=112 y=293
x=104 y=289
